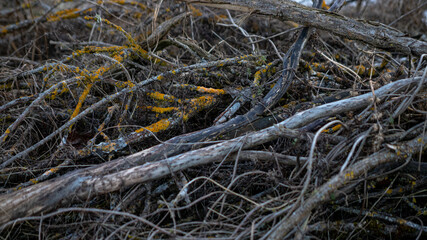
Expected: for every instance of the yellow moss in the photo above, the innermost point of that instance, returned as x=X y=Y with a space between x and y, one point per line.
x=25 y=5
x=196 y=12
x=349 y=175
x=220 y=17
x=159 y=109
x=130 y=84
x=202 y=101
x=120 y=84
x=34 y=181
x=6 y=86
x=161 y=96
x=109 y=147
x=324 y=5
x=360 y=69
x=401 y=221
x=118 y=1
x=82 y=98
x=389 y=191
x=336 y=128
x=63 y=14
x=210 y=90
x=257 y=78
x=333 y=129
x=6 y=133
x=161 y=125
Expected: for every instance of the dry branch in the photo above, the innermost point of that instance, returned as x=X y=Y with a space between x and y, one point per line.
x=111 y=176
x=145 y=74
x=399 y=152
x=373 y=33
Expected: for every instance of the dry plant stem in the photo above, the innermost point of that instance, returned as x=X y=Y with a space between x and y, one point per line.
x=111 y=176
x=21 y=117
x=91 y=210
x=404 y=105
x=323 y=193
x=310 y=158
x=20 y=60
x=114 y=96
x=290 y=63
x=161 y=30
x=40 y=69
x=269 y=156
x=17 y=101
x=385 y=216
x=372 y=33
x=353 y=148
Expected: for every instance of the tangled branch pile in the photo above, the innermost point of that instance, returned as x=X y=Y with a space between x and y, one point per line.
x=228 y=119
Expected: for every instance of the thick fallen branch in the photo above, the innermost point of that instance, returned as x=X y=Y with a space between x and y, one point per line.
x=372 y=33
x=114 y=175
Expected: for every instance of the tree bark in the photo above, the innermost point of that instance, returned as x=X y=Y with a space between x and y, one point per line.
x=83 y=184
x=373 y=33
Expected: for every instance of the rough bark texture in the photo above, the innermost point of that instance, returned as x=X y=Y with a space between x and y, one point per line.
x=111 y=176
x=372 y=33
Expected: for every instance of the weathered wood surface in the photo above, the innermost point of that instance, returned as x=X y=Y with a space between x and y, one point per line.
x=373 y=33
x=111 y=176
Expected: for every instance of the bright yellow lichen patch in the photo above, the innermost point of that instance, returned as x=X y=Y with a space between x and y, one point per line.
x=161 y=97
x=63 y=14
x=210 y=90
x=6 y=133
x=202 y=102
x=349 y=175
x=401 y=221
x=258 y=75
x=59 y=91
x=161 y=125
x=333 y=129
x=108 y=147
x=203 y=89
x=324 y=5
x=159 y=109
x=52 y=170
x=82 y=98
x=194 y=11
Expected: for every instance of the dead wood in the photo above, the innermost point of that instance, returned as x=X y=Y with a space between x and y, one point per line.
x=372 y=33
x=138 y=168
x=324 y=192
x=158 y=119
